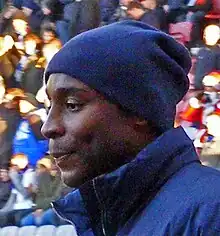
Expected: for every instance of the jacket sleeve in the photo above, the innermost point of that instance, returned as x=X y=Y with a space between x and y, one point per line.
x=201 y=220
x=207 y=221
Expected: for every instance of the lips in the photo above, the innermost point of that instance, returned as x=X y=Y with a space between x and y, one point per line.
x=58 y=155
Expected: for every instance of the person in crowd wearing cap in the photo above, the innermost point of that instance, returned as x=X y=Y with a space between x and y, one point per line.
x=113 y=93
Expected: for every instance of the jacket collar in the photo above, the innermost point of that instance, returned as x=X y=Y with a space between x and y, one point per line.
x=110 y=200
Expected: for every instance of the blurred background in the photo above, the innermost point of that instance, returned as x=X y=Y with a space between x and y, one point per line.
x=31 y=32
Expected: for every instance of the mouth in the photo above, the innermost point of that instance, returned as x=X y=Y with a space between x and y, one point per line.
x=61 y=159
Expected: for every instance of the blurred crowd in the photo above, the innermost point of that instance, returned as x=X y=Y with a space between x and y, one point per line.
x=31 y=32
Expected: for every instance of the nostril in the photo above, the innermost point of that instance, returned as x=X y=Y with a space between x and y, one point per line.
x=52 y=130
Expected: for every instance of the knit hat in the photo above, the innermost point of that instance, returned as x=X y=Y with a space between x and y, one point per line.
x=132 y=64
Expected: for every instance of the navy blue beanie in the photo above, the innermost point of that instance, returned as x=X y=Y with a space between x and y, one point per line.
x=130 y=63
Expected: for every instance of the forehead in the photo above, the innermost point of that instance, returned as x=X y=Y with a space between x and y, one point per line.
x=64 y=84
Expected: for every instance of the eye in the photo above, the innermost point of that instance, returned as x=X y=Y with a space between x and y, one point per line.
x=73 y=106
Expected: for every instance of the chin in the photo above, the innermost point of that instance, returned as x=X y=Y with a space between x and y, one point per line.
x=73 y=180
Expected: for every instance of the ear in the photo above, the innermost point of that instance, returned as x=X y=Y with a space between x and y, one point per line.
x=141 y=124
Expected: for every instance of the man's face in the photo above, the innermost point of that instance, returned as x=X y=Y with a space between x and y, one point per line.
x=88 y=135
x=4 y=177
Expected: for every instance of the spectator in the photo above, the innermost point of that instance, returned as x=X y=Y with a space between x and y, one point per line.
x=78 y=16
x=194 y=11
x=5 y=187
x=208 y=58
x=28 y=75
x=20 y=202
x=28 y=138
x=10 y=117
x=34 y=14
x=51 y=43
x=107 y=10
x=148 y=12
x=52 y=10
x=49 y=188
x=7 y=67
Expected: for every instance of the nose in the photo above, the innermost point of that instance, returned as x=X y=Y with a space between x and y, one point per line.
x=53 y=127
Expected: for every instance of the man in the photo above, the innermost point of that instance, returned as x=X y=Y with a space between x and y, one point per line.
x=113 y=93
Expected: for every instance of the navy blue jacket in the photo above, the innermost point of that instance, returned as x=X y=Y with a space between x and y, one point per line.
x=163 y=191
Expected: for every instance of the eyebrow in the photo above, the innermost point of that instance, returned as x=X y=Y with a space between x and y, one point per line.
x=68 y=91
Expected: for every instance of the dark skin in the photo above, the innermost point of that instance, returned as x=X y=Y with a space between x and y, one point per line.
x=89 y=136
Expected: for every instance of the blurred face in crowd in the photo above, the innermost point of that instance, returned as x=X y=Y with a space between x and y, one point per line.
x=4 y=176
x=20 y=26
x=89 y=136
x=48 y=36
x=20 y=161
x=41 y=169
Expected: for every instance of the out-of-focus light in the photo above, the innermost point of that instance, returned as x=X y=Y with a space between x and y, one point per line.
x=8 y=42
x=25 y=106
x=211 y=35
x=30 y=47
x=211 y=80
x=20 y=26
x=213 y=124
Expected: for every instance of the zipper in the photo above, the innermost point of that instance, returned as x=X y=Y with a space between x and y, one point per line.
x=63 y=218
x=102 y=211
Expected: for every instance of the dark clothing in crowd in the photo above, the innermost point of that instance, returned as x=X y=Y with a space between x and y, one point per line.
x=78 y=16
x=208 y=60
x=107 y=10
x=32 y=79
x=144 y=198
x=12 y=118
x=179 y=8
x=36 y=17
x=8 y=63
x=156 y=18
x=5 y=190
x=56 y=8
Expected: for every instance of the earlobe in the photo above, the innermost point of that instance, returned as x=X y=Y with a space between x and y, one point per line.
x=141 y=122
